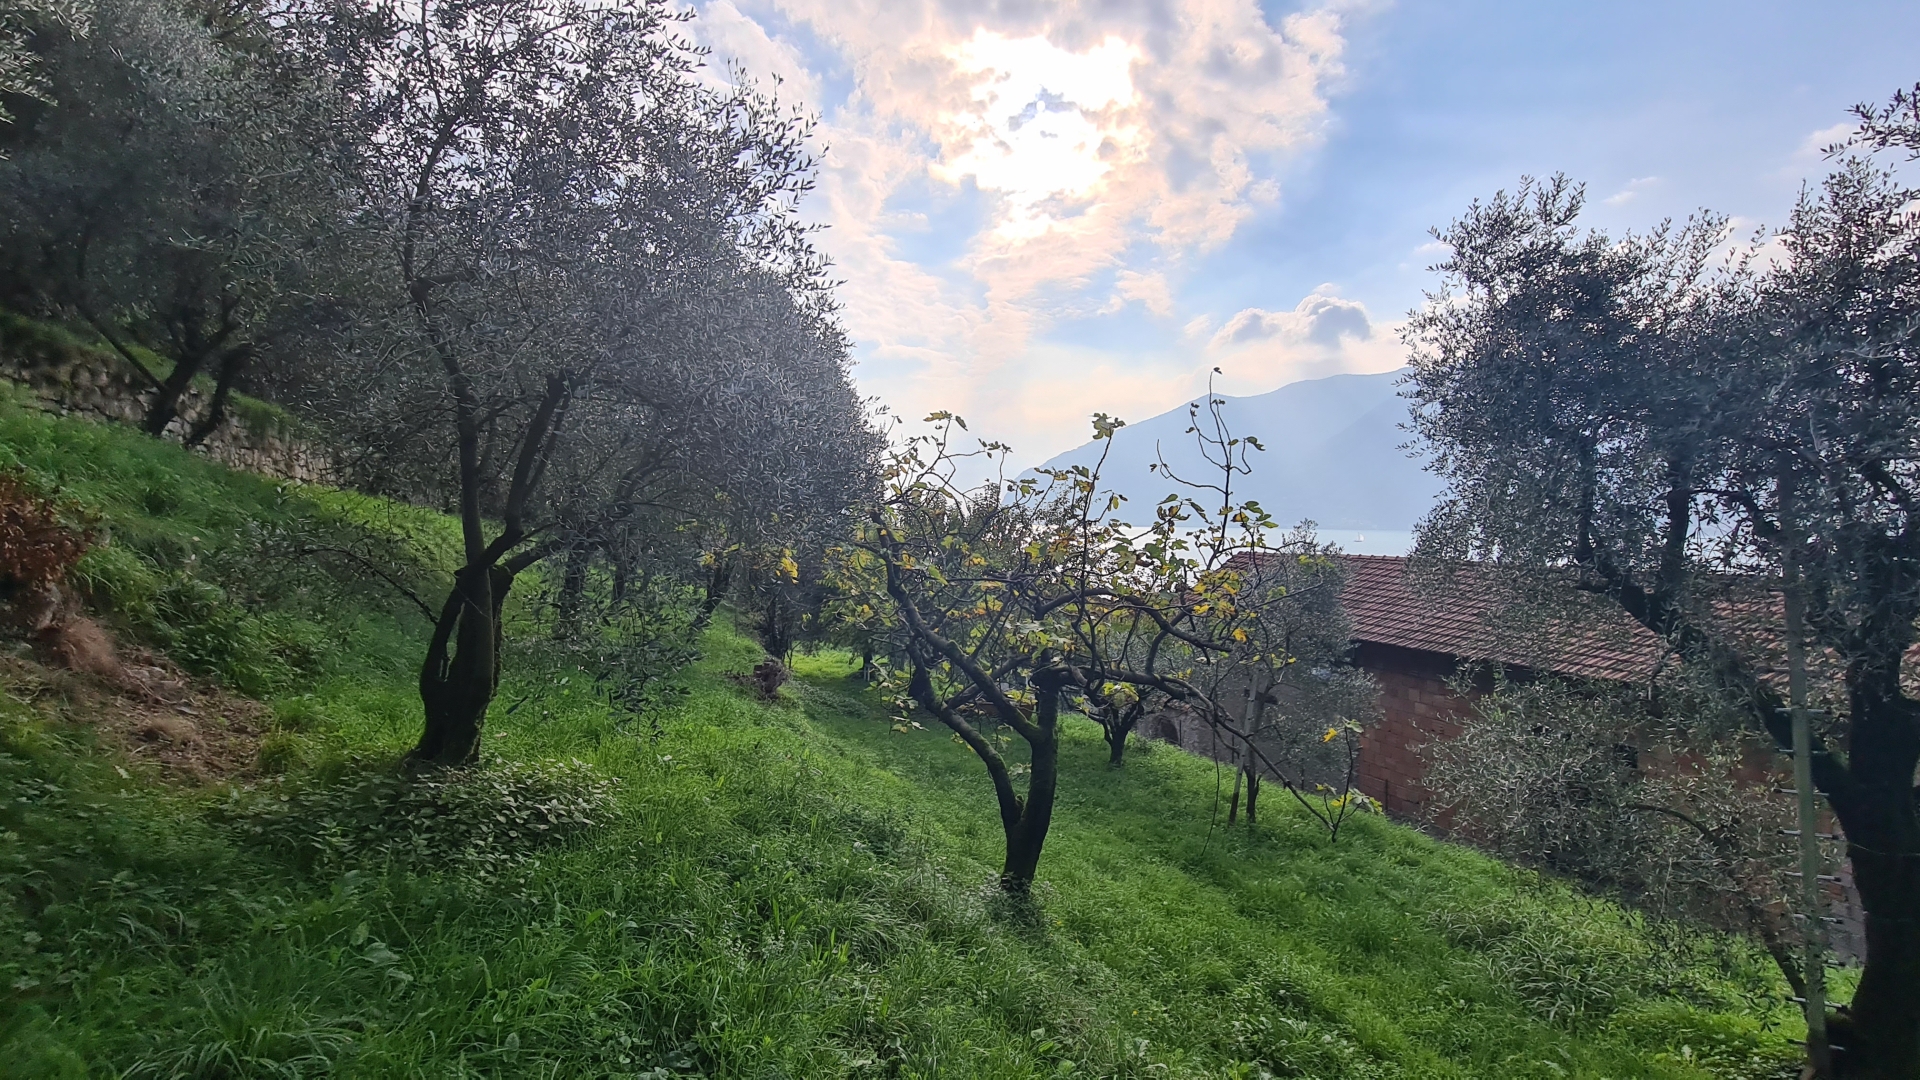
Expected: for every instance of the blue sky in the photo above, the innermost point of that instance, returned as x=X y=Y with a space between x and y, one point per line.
x=1043 y=210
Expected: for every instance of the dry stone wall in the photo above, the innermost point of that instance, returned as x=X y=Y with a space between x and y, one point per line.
x=73 y=380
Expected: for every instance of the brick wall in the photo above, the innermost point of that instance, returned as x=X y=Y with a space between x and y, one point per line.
x=1416 y=707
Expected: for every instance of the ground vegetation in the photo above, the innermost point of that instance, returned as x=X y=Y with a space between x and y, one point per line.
x=714 y=884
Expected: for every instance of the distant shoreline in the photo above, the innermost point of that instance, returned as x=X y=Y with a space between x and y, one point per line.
x=1376 y=542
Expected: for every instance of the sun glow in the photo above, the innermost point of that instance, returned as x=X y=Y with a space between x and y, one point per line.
x=1046 y=128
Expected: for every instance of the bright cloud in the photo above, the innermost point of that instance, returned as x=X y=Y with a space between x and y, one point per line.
x=1324 y=334
x=1151 y=290
x=1322 y=319
x=1094 y=152
x=1042 y=127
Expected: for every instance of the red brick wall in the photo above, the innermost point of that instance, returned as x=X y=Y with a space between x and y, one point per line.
x=1416 y=708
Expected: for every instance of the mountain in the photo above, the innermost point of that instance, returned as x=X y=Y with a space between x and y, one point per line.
x=1333 y=455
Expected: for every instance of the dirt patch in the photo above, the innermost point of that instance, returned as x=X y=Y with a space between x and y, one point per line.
x=139 y=703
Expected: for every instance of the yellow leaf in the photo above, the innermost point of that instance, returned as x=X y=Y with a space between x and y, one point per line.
x=1329 y=736
x=1239 y=634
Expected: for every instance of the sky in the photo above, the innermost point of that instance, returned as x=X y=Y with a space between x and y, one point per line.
x=1040 y=211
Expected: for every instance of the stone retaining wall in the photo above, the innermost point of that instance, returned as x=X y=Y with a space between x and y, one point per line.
x=75 y=381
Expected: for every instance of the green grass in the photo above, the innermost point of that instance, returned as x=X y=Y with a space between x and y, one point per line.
x=786 y=890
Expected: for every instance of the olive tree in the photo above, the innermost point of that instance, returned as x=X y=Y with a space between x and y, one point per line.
x=22 y=73
x=582 y=294
x=167 y=194
x=1609 y=413
x=1652 y=797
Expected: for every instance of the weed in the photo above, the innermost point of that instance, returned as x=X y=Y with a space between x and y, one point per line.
x=485 y=821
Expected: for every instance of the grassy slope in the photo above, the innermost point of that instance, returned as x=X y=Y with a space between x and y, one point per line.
x=792 y=890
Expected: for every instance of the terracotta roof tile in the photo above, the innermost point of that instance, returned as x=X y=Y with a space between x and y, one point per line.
x=1457 y=618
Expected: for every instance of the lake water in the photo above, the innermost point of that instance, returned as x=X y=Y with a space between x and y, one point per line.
x=1369 y=541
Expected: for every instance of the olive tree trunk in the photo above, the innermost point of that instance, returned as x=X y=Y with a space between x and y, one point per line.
x=462 y=668
x=1878 y=1038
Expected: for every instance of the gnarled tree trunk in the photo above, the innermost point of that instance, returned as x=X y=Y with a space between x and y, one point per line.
x=232 y=363
x=1878 y=1038
x=164 y=406
x=462 y=668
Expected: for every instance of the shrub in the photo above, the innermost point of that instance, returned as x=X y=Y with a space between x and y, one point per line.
x=40 y=539
x=1567 y=969
x=298 y=714
x=280 y=752
x=1736 y=1048
x=486 y=821
x=116 y=579
x=207 y=635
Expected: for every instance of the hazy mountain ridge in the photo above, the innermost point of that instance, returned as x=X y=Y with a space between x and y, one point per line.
x=1333 y=454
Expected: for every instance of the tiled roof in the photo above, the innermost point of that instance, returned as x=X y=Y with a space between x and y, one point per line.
x=1457 y=618
x=1463 y=616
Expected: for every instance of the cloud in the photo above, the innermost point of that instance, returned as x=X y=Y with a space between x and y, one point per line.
x=1751 y=239
x=1109 y=146
x=1813 y=148
x=1151 y=290
x=1321 y=319
x=1631 y=191
x=738 y=39
x=1041 y=127
x=1324 y=334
